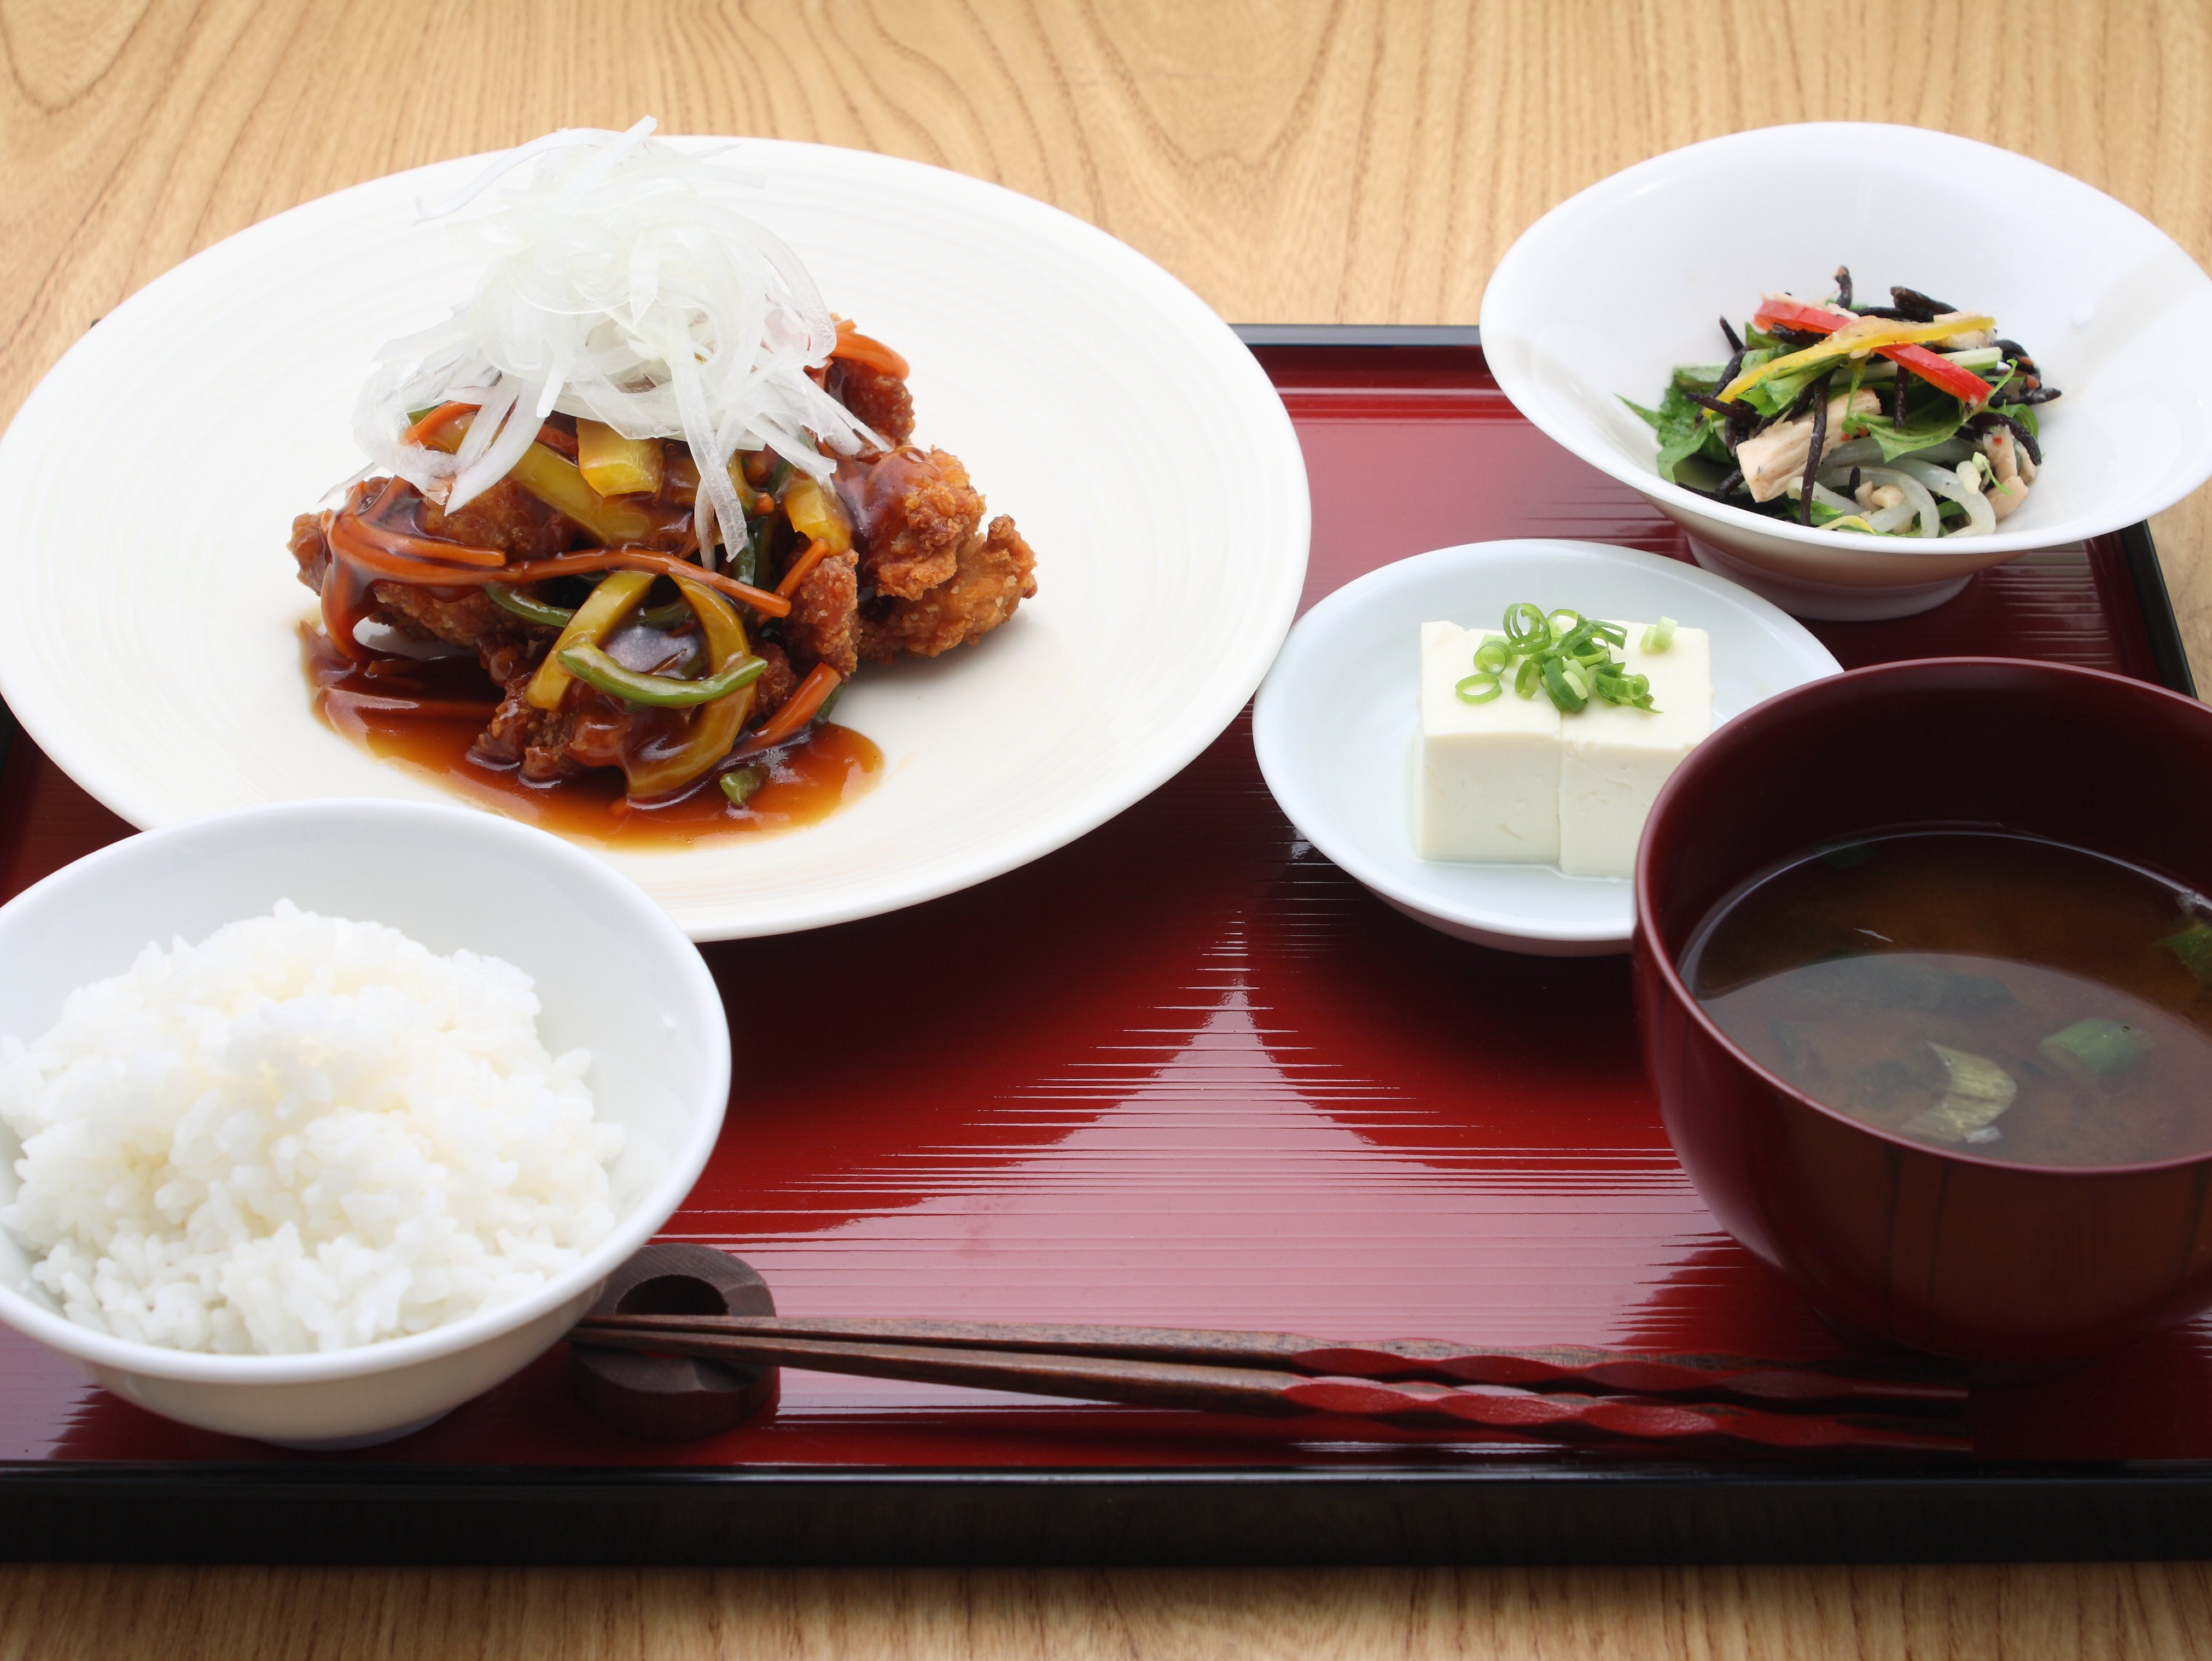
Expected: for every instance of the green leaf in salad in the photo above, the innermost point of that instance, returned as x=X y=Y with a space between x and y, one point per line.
x=1921 y=427
x=1778 y=392
x=1681 y=433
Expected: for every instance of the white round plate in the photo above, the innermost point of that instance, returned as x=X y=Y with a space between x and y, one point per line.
x=1338 y=733
x=148 y=483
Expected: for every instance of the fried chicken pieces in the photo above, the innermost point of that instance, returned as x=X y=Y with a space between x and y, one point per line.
x=924 y=576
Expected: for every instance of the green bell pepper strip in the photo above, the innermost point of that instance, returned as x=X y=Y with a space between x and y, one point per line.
x=713 y=728
x=615 y=598
x=514 y=600
x=595 y=668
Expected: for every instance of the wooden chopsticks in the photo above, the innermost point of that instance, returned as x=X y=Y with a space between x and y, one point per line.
x=1546 y=1394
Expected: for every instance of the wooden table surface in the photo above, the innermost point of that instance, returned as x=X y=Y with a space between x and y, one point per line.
x=1294 y=161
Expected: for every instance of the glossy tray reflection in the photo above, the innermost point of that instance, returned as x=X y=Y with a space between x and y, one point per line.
x=1184 y=1072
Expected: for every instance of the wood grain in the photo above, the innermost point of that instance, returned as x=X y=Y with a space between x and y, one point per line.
x=1309 y=161
x=1294 y=161
x=2084 y=1613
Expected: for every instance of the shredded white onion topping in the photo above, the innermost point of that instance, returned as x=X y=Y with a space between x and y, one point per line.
x=622 y=282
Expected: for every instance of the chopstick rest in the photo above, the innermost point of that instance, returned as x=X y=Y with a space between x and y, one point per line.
x=667 y=1397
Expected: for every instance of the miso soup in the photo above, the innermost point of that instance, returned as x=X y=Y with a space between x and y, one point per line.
x=2001 y=995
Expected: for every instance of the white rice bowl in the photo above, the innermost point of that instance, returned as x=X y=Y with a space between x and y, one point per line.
x=302 y=1134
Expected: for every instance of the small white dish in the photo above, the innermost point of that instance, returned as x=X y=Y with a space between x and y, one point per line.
x=1338 y=733
x=1092 y=395
x=614 y=976
x=1604 y=296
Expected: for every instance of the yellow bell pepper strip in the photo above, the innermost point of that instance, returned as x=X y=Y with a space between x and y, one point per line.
x=857 y=348
x=714 y=727
x=817 y=515
x=615 y=598
x=615 y=465
x=1855 y=338
x=549 y=476
x=595 y=668
x=1898 y=345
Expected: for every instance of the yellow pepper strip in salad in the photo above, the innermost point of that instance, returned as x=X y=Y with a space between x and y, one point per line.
x=1858 y=339
x=615 y=598
x=615 y=465
x=714 y=727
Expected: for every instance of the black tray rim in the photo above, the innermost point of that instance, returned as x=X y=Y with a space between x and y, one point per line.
x=1507 y=1511
x=1498 y=1510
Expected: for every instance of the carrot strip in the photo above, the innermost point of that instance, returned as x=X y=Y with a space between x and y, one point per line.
x=402 y=542
x=421 y=431
x=816 y=551
x=641 y=559
x=354 y=542
x=798 y=709
x=857 y=348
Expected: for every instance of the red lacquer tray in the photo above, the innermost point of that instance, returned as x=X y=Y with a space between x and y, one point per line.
x=1186 y=1072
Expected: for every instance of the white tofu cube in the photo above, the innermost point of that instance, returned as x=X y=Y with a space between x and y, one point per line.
x=1616 y=758
x=1489 y=777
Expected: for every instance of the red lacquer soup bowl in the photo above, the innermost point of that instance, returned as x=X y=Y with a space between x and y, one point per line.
x=1938 y=1249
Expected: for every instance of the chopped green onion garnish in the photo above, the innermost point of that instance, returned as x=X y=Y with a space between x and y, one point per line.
x=738 y=786
x=1563 y=690
x=1568 y=654
x=1526 y=628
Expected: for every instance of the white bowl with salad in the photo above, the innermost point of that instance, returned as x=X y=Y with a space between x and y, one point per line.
x=1749 y=332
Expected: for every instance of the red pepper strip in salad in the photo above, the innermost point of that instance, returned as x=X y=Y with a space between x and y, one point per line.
x=1931 y=366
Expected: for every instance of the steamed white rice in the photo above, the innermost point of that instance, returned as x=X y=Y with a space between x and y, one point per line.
x=302 y=1134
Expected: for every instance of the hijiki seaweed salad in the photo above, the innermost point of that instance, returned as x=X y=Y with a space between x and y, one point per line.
x=648 y=483
x=1914 y=418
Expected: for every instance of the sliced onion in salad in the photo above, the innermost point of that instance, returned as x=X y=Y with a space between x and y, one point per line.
x=1918 y=498
x=1963 y=487
x=621 y=281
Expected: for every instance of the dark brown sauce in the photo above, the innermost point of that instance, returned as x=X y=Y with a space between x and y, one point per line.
x=1851 y=973
x=425 y=717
